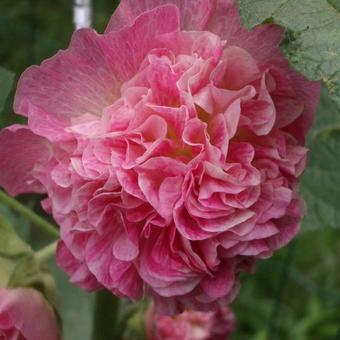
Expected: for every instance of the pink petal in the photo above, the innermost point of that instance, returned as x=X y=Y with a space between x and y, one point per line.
x=21 y=153
x=289 y=227
x=241 y=68
x=221 y=283
x=263 y=44
x=261 y=231
x=27 y=314
x=110 y=271
x=46 y=125
x=222 y=224
x=79 y=273
x=76 y=81
x=153 y=128
x=310 y=92
x=194 y=13
x=163 y=82
x=127 y=48
x=163 y=270
x=124 y=249
x=188 y=226
x=225 y=20
x=261 y=115
x=255 y=248
x=160 y=181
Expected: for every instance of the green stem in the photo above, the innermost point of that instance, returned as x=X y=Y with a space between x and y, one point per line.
x=105 y=316
x=283 y=280
x=44 y=254
x=129 y=312
x=29 y=214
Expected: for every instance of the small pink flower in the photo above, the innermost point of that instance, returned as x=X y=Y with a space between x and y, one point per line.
x=190 y=325
x=170 y=148
x=25 y=315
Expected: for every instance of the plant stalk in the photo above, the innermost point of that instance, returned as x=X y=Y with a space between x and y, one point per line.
x=36 y=220
x=106 y=313
x=45 y=254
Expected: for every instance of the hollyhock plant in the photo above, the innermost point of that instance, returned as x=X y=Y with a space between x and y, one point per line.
x=190 y=325
x=170 y=148
x=25 y=315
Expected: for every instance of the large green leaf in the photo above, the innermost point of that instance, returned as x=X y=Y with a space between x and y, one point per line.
x=321 y=183
x=313 y=34
x=76 y=308
x=327 y=118
x=6 y=82
x=335 y=4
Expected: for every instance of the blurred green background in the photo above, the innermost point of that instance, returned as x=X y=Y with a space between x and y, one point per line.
x=293 y=296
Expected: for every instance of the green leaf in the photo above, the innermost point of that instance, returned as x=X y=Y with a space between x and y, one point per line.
x=6 y=268
x=76 y=307
x=327 y=117
x=28 y=273
x=320 y=184
x=18 y=265
x=313 y=34
x=19 y=223
x=135 y=327
x=12 y=248
x=10 y=244
x=254 y=12
x=6 y=82
x=335 y=4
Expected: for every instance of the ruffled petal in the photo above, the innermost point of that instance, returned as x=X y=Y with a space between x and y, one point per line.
x=194 y=13
x=22 y=155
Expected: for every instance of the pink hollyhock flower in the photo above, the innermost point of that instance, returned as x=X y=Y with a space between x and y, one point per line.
x=170 y=148
x=190 y=325
x=25 y=315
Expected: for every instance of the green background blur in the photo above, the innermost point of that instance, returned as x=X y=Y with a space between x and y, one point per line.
x=293 y=296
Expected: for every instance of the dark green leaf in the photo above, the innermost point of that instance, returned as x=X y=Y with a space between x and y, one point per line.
x=6 y=82
x=313 y=28
x=321 y=183
x=76 y=308
x=335 y=4
x=327 y=117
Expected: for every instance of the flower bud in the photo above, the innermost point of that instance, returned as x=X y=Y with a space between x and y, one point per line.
x=190 y=325
x=24 y=314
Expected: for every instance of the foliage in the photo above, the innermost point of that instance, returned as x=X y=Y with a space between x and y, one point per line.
x=321 y=182
x=6 y=81
x=312 y=38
